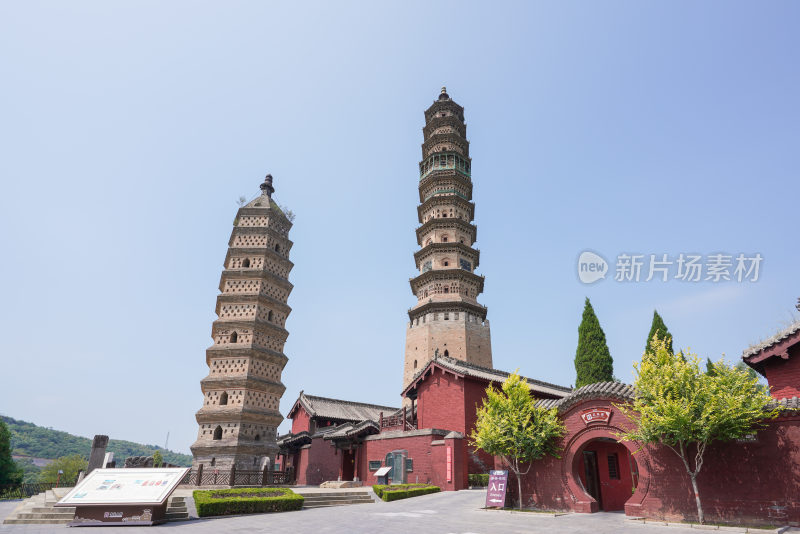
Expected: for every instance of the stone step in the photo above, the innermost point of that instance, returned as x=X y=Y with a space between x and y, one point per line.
x=45 y=515
x=176 y=516
x=37 y=521
x=45 y=509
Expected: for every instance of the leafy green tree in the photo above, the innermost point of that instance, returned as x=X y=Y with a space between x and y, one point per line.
x=10 y=472
x=69 y=464
x=685 y=409
x=511 y=426
x=593 y=362
x=658 y=328
x=709 y=367
x=157 y=459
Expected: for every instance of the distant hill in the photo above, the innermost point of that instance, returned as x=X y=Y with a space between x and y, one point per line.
x=28 y=439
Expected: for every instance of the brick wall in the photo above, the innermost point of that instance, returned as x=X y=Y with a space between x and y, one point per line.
x=441 y=402
x=428 y=450
x=317 y=463
x=783 y=376
x=740 y=482
x=300 y=420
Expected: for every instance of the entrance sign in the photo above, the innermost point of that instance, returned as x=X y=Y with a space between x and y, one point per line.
x=596 y=415
x=496 y=494
x=123 y=496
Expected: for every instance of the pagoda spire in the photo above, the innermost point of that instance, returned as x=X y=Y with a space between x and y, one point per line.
x=447 y=320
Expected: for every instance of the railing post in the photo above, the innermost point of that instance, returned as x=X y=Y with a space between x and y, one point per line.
x=199 y=481
x=233 y=475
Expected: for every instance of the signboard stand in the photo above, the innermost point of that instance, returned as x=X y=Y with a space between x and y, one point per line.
x=123 y=497
x=496 y=492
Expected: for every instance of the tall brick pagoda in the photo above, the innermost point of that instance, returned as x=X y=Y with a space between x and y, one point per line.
x=447 y=319
x=242 y=391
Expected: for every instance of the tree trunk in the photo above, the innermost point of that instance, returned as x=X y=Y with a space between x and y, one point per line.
x=697 y=499
x=519 y=488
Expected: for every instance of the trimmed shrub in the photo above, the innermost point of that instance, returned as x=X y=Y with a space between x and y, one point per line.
x=479 y=480
x=403 y=491
x=246 y=501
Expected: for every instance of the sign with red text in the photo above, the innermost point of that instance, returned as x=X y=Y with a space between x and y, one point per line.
x=496 y=492
x=125 y=486
x=596 y=415
x=449 y=464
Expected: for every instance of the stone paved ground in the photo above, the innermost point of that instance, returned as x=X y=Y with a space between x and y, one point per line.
x=441 y=513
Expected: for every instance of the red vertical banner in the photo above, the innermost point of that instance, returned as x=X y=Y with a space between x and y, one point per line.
x=449 y=464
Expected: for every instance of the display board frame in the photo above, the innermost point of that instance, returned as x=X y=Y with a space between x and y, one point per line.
x=123 y=497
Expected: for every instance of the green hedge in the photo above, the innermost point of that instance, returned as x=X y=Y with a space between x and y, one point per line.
x=246 y=501
x=479 y=480
x=403 y=491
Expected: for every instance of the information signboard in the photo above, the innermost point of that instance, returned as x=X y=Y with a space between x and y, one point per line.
x=135 y=496
x=496 y=493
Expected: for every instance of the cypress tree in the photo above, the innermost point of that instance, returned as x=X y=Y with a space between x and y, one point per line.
x=659 y=328
x=10 y=472
x=593 y=362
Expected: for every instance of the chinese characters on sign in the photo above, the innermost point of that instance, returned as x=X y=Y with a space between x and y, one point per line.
x=496 y=493
x=663 y=267
x=449 y=464
x=596 y=415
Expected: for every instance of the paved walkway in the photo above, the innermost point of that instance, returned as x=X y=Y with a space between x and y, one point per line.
x=440 y=513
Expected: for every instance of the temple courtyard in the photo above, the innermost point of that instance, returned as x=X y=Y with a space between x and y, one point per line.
x=442 y=513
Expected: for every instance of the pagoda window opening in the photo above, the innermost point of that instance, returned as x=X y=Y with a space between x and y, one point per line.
x=446 y=352
x=213 y=462
x=446 y=317
x=223 y=399
x=415 y=364
x=257 y=438
x=234 y=337
x=217 y=436
x=447 y=289
x=444 y=239
x=269 y=316
x=246 y=262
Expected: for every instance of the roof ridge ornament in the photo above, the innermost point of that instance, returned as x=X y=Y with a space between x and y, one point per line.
x=266 y=187
x=443 y=95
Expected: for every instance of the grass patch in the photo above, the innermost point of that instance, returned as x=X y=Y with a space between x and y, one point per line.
x=396 y=492
x=246 y=501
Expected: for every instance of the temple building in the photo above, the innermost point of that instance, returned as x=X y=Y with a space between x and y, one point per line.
x=242 y=392
x=448 y=366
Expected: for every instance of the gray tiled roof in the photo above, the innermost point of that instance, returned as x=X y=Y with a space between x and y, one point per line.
x=495 y=375
x=614 y=390
x=341 y=409
x=785 y=404
x=767 y=343
x=351 y=429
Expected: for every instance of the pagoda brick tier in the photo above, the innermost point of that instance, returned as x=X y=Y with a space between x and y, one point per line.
x=447 y=319
x=242 y=392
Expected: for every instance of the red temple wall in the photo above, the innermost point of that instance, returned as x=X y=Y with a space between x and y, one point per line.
x=440 y=402
x=783 y=376
x=429 y=453
x=317 y=463
x=300 y=420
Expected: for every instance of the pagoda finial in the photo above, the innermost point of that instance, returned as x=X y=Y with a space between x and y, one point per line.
x=443 y=95
x=266 y=187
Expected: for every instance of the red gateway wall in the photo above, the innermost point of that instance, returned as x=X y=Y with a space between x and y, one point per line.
x=757 y=482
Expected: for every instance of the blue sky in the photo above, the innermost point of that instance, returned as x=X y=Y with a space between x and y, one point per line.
x=129 y=130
